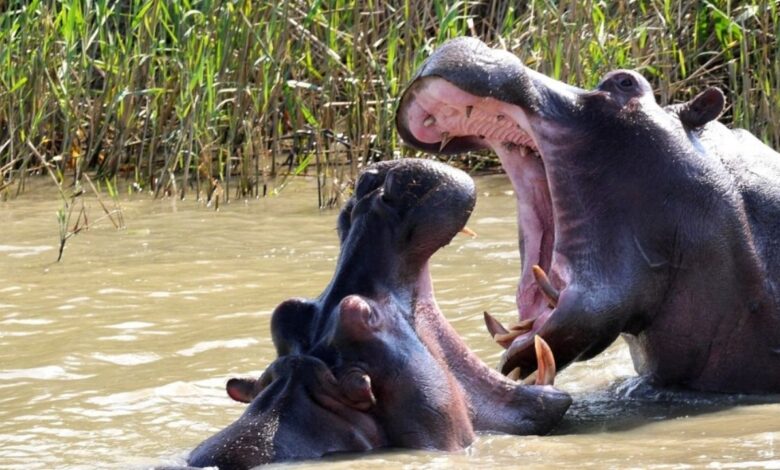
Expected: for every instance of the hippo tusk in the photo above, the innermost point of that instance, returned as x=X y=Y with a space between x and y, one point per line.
x=429 y=121
x=467 y=231
x=445 y=139
x=506 y=340
x=494 y=326
x=524 y=325
x=548 y=290
x=545 y=362
x=514 y=375
x=505 y=337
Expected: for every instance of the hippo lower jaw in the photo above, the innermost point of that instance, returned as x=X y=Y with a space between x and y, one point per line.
x=440 y=113
x=496 y=403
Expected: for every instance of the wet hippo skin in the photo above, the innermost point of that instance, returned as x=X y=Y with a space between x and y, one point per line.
x=656 y=223
x=372 y=363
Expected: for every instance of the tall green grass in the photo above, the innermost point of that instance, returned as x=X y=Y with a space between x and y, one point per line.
x=210 y=98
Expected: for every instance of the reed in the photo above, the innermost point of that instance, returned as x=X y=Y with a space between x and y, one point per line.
x=207 y=98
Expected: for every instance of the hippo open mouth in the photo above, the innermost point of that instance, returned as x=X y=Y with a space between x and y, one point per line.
x=498 y=112
x=636 y=219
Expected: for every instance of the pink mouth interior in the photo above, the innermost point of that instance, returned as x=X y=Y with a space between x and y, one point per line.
x=437 y=111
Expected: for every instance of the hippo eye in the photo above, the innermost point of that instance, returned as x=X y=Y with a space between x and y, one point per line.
x=626 y=82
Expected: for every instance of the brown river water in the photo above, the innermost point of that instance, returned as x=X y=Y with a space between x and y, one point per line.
x=117 y=356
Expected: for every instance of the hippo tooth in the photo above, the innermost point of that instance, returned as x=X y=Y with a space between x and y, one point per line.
x=467 y=231
x=506 y=339
x=494 y=326
x=524 y=325
x=548 y=290
x=531 y=379
x=545 y=362
x=429 y=121
x=469 y=109
x=514 y=375
x=445 y=139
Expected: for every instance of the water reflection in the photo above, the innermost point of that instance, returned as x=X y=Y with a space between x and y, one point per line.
x=118 y=356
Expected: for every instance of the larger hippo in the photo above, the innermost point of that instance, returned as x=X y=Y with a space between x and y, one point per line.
x=372 y=362
x=656 y=223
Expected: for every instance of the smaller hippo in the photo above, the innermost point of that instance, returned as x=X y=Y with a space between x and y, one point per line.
x=372 y=363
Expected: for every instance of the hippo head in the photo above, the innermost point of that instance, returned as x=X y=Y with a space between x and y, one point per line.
x=615 y=195
x=371 y=362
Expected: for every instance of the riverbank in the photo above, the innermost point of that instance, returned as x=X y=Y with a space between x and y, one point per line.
x=192 y=98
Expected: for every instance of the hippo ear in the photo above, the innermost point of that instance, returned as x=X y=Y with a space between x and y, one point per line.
x=241 y=389
x=703 y=108
x=292 y=324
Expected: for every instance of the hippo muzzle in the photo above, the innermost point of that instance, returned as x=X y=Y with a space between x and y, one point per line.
x=635 y=219
x=372 y=362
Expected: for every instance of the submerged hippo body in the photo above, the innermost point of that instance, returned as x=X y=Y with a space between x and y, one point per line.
x=656 y=223
x=371 y=362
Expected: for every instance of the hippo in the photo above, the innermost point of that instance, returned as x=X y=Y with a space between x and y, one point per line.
x=656 y=223
x=372 y=363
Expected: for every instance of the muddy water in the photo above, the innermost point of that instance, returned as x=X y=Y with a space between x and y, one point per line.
x=117 y=356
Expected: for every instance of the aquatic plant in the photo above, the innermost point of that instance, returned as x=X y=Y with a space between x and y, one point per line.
x=216 y=98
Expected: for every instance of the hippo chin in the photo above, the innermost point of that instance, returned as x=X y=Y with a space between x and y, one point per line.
x=372 y=362
x=656 y=223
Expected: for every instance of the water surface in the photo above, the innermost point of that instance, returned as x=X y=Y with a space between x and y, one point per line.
x=117 y=356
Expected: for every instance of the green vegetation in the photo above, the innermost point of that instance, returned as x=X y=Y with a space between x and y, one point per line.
x=211 y=98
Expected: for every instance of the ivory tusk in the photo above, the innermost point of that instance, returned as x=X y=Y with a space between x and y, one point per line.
x=445 y=139
x=545 y=362
x=543 y=281
x=494 y=326
x=467 y=231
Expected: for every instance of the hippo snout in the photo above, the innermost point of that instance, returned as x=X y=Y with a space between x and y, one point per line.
x=296 y=398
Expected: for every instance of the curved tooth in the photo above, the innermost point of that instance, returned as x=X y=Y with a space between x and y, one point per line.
x=545 y=362
x=445 y=139
x=505 y=340
x=494 y=326
x=531 y=379
x=523 y=325
x=467 y=231
x=514 y=375
x=505 y=337
x=548 y=290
